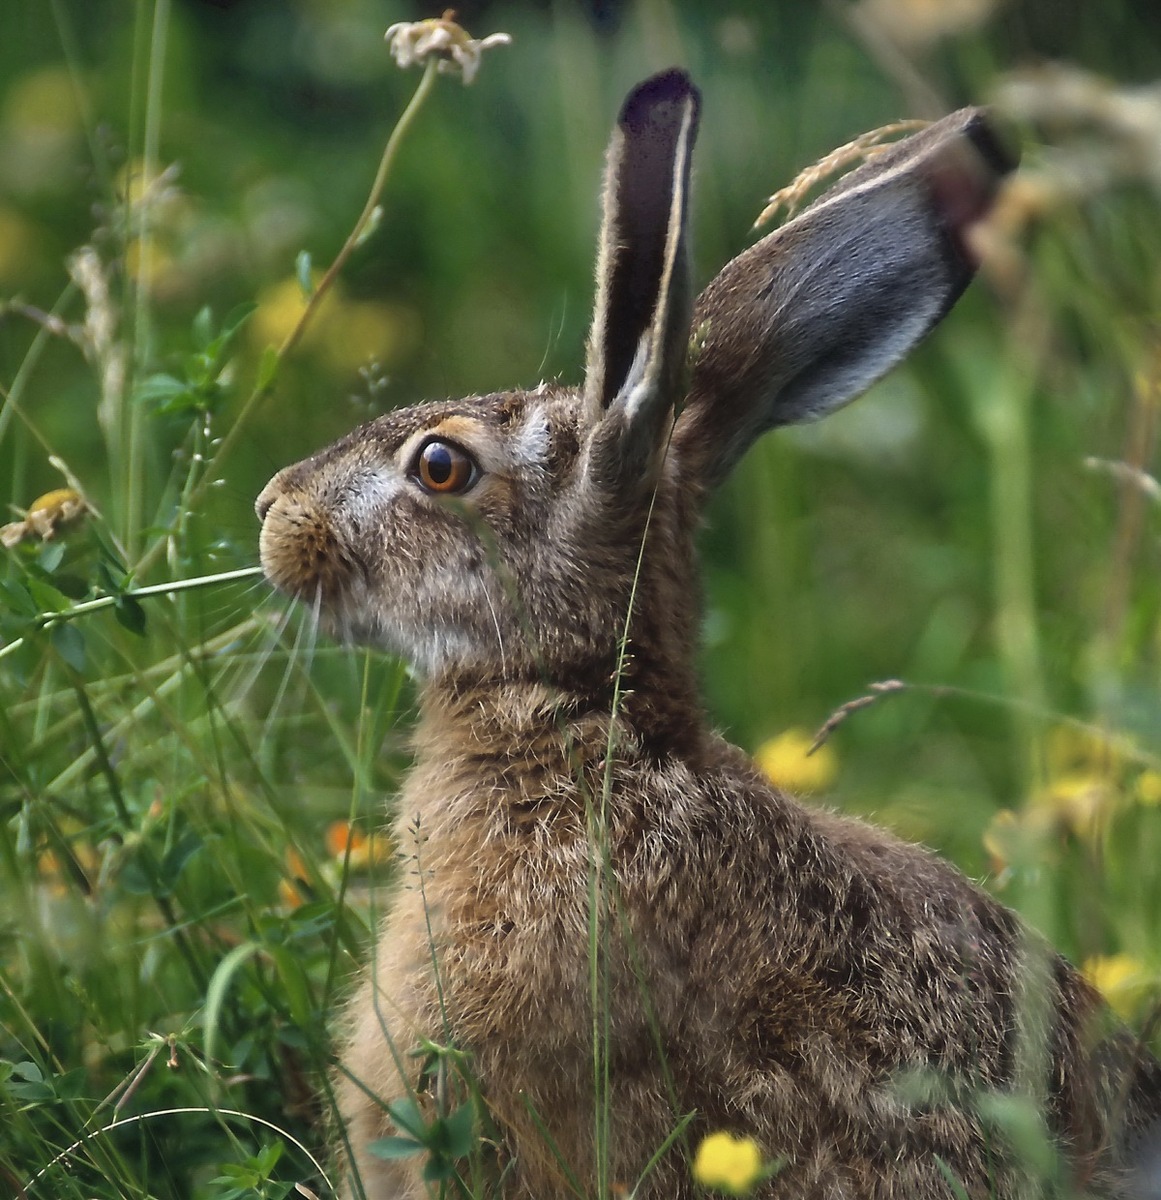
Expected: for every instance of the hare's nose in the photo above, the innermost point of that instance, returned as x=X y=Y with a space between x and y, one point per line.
x=265 y=499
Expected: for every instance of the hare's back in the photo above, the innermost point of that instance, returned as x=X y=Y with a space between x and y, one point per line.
x=846 y=989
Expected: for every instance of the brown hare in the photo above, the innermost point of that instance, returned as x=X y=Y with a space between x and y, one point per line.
x=620 y=921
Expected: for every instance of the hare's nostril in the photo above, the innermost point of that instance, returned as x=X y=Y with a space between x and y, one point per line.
x=265 y=499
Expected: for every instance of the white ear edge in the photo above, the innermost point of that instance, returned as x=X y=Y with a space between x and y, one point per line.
x=808 y=318
x=652 y=375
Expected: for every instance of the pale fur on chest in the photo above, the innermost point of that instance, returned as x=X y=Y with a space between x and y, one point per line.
x=496 y=827
x=487 y=941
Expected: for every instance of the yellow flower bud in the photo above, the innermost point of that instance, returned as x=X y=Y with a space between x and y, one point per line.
x=728 y=1164
x=784 y=761
x=1121 y=979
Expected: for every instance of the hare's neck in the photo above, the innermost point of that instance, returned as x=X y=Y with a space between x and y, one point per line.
x=532 y=727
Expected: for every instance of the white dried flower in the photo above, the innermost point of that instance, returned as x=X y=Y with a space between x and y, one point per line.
x=458 y=52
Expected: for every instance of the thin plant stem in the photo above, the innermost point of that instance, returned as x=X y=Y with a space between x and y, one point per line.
x=268 y=376
x=353 y=238
x=134 y=414
x=141 y=1118
x=154 y=589
x=12 y=395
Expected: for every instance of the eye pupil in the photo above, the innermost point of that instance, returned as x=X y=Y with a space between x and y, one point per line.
x=438 y=460
x=444 y=467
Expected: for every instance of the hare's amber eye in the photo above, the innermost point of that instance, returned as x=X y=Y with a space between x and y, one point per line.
x=444 y=468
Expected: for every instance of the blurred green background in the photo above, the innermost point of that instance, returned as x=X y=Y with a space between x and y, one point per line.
x=983 y=525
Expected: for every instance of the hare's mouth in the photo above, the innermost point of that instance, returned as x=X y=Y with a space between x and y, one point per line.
x=304 y=556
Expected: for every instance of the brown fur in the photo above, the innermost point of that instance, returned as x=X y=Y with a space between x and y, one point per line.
x=782 y=971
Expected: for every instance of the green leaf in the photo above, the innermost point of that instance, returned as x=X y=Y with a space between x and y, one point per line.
x=203 y=328
x=29 y=1084
x=48 y=598
x=394 y=1147
x=175 y=858
x=32 y=1093
x=958 y=1189
x=267 y=1158
x=302 y=271
x=460 y=1130
x=241 y=1171
x=216 y=993
x=28 y=1071
x=294 y=984
x=199 y=371
x=438 y=1167
x=136 y=876
x=1020 y=1122
x=130 y=614
x=18 y=599
x=112 y=577
x=236 y=318
x=161 y=390
x=406 y=1115
x=110 y=554
x=70 y=585
x=72 y=1085
x=50 y=556
x=69 y=643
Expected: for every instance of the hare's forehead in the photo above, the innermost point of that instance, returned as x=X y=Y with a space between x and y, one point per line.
x=510 y=431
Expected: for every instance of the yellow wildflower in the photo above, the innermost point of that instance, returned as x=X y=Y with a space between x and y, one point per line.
x=1075 y=749
x=1148 y=790
x=280 y=306
x=1019 y=841
x=294 y=886
x=289 y=894
x=785 y=761
x=345 y=333
x=1083 y=802
x=728 y=1164
x=357 y=332
x=47 y=516
x=149 y=263
x=43 y=103
x=1121 y=979
x=17 y=247
x=1000 y=837
x=361 y=849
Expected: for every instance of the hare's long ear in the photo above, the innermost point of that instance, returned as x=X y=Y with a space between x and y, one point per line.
x=637 y=347
x=809 y=317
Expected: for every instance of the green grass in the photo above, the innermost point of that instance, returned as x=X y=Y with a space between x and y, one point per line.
x=175 y=931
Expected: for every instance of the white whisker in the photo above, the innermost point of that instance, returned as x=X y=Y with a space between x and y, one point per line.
x=496 y=623
x=270 y=636
x=305 y=640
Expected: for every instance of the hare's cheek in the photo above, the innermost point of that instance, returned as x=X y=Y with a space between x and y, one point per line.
x=302 y=553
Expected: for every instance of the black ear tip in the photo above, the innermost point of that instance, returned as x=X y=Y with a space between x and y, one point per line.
x=993 y=143
x=672 y=87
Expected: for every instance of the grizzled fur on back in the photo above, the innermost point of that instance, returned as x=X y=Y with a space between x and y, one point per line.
x=841 y=996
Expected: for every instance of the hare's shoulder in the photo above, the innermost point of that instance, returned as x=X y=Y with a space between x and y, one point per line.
x=810 y=911
x=733 y=824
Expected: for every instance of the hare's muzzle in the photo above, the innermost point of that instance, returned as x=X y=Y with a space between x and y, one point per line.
x=300 y=551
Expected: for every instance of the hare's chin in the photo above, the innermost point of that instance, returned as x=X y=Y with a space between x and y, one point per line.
x=427 y=651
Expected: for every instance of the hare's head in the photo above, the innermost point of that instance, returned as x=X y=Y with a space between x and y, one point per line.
x=507 y=535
